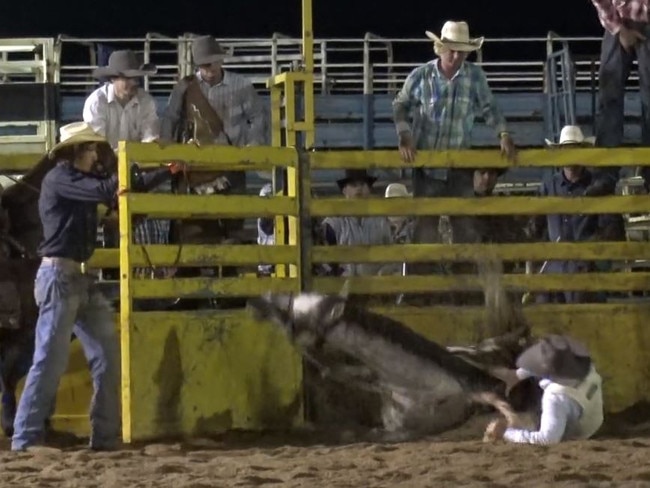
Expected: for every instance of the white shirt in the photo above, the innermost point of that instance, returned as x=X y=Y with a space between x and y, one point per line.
x=136 y=121
x=568 y=412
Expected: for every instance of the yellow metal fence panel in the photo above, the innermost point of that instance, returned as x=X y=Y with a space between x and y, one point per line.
x=192 y=373
x=199 y=373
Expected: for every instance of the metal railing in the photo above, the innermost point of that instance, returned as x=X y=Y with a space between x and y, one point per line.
x=372 y=64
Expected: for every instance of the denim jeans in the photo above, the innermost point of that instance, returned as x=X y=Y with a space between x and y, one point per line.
x=616 y=65
x=69 y=302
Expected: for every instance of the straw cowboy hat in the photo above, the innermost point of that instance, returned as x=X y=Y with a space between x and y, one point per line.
x=76 y=133
x=455 y=36
x=396 y=190
x=558 y=358
x=206 y=50
x=356 y=175
x=571 y=135
x=126 y=64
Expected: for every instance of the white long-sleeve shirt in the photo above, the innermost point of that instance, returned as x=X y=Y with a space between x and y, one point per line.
x=135 y=121
x=568 y=412
x=560 y=415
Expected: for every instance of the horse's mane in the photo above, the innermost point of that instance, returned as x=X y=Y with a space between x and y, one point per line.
x=413 y=343
x=27 y=187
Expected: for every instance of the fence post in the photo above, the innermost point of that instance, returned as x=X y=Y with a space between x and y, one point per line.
x=126 y=299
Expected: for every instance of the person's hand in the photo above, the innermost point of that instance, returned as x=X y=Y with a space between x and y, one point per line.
x=508 y=147
x=599 y=188
x=176 y=167
x=629 y=38
x=495 y=430
x=406 y=147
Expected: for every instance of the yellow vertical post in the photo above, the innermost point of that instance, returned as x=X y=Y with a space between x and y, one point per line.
x=308 y=66
x=292 y=180
x=276 y=93
x=126 y=303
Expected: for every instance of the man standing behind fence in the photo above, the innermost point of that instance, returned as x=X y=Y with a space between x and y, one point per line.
x=216 y=105
x=626 y=37
x=444 y=96
x=121 y=110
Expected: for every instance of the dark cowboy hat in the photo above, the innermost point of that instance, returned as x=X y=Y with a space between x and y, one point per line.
x=206 y=50
x=124 y=63
x=355 y=175
x=556 y=357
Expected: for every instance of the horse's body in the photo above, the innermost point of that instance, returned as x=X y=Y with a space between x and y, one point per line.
x=420 y=387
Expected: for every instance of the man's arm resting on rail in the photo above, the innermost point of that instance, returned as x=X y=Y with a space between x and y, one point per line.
x=150 y=121
x=405 y=100
x=254 y=112
x=95 y=113
x=486 y=103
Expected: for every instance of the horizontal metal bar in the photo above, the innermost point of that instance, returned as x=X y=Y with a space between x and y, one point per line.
x=482 y=158
x=538 y=251
x=443 y=283
x=251 y=158
x=209 y=206
x=211 y=287
x=196 y=255
x=510 y=205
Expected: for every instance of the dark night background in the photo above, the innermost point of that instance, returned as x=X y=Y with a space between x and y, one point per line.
x=248 y=18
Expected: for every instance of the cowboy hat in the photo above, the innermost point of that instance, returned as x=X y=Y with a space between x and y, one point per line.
x=206 y=50
x=124 y=63
x=558 y=358
x=396 y=190
x=356 y=175
x=455 y=36
x=571 y=135
x=76 y=133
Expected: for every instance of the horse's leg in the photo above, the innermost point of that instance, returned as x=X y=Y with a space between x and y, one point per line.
x=16 y=358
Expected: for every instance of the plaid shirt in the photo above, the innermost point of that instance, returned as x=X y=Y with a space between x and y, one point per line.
x=444 y=110
x=234 y=99
x=613 y=13
x=153 y=231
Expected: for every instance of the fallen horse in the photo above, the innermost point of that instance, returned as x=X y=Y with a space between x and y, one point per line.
x=424 y=388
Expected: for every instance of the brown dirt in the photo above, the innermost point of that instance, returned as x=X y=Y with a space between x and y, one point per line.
x=310 y=459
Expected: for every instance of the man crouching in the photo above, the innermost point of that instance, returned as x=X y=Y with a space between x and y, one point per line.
x=67 y=297
x=572 y=403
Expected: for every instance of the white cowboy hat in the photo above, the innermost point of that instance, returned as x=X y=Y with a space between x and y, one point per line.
x=396 y=190
x=571 y=135
x=455 y=36
x=76 y=133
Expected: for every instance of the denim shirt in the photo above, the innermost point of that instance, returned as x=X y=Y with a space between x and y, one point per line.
x=68 y=209
x=572 y=227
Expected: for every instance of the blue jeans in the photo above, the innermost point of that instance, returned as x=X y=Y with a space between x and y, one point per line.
x=69 y=302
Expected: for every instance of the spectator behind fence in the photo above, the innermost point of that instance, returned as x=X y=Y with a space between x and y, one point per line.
x=573 y=181
x=445 y=96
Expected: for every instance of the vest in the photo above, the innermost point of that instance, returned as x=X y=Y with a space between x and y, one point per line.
x=589 y=395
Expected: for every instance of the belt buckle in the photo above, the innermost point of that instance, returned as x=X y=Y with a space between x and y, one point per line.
x=82 y=268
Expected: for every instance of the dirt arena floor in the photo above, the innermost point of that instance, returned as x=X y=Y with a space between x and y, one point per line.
x=619 y=457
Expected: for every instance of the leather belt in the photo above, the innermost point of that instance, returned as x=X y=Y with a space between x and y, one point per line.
x=67 y=263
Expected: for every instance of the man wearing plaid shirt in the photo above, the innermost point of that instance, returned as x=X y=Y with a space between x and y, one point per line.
x=626 y=37
x=444 y=97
